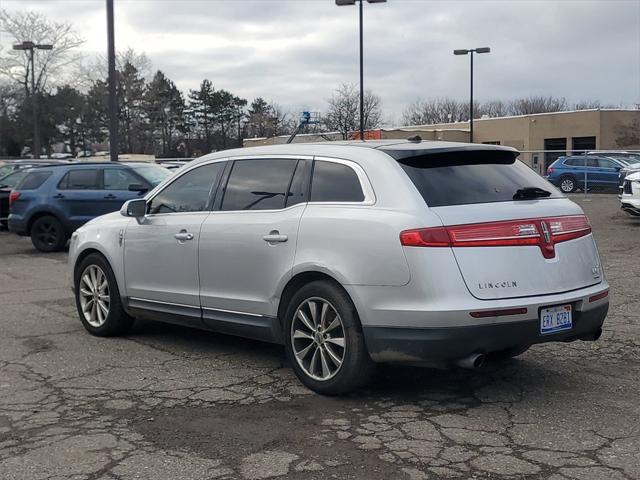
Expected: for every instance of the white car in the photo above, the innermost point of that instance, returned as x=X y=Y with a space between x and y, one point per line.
x=630 y=197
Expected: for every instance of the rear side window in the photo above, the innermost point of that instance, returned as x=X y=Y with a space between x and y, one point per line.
x=33 y=180
x=188 y=193
x=258 y=184
x=81 y=179
x=335 y=182
x=462 y=178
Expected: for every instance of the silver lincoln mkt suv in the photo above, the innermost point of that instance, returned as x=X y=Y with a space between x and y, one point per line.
x=348 y=254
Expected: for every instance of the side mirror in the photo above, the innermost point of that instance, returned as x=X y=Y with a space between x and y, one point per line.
x=136 y=208
x=137 y=187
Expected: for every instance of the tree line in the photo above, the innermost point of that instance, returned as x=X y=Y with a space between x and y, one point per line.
x=155 y=117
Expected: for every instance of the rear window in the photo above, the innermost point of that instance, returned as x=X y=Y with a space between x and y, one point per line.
x=462 y=178
x=33 y=180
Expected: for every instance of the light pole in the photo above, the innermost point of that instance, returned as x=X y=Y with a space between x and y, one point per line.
x=31 y=47
x=113 y=99
x=341 y=3
x=471 y=51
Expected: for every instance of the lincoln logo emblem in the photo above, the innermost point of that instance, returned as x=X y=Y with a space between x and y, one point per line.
x=545 y=232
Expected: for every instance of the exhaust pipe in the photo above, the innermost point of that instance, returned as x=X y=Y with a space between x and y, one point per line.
x=475 y=360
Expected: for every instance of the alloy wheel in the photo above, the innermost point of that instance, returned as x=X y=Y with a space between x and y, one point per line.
x=318 y=338
x=47 y=234
x=94 y=295
x=567 y=185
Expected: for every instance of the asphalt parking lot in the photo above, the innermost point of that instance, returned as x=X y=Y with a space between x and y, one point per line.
x=169 y=402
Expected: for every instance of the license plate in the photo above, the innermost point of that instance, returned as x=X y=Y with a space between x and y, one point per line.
x=555 y=319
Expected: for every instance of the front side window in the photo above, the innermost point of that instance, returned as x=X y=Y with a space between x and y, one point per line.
x=606 y=163
x=335 y=182
x=258 y=184
x=154 y=174
x=119 y=179
x=81 y=179
x=188 y=193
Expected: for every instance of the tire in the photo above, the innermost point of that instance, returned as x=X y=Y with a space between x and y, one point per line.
x=509 y=353
x=340 y=325
x=567 y=184
x=91 y=292
x=48 y=235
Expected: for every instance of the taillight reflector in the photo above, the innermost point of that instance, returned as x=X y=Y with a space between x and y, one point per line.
x=598 y=296
x=498 y=313
x=13 y=196
x=543 y=232
x=549 y=170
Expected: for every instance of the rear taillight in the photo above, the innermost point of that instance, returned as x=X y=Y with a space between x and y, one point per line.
x=549 y=170
x=543 y=232
x=13 y=196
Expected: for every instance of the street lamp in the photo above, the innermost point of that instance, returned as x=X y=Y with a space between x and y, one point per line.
x=342 y=3
x=31 y=47
x=471 y=52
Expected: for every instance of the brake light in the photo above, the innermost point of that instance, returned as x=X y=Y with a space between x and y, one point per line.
x=598 y=296
x=13 y=196
x=542 y=232
x=549 y=170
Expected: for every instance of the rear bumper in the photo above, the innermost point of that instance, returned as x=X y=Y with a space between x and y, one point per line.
x=17 y=225
x=630 y=204
x=441 y=346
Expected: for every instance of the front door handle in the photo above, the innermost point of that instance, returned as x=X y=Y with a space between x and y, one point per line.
x=183 y=236
x=58 y=195
x=275 y=237
x=110 y=196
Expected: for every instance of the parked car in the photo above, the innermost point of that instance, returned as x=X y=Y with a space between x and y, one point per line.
x=350 y=253
x=627 y=170
x=568 y=173
x=49 y=203
x=630 y=198
x=11 y=165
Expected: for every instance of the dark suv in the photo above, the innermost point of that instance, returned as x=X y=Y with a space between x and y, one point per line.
x=50 y=202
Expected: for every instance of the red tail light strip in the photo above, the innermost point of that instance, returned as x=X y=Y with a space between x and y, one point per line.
x=598 y=296
x=543 y=232
x=498 y=313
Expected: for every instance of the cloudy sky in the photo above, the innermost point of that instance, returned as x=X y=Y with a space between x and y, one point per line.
x=295 y=52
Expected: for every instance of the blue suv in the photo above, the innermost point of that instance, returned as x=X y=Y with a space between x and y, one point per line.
x=50 y=202
x=568 y=173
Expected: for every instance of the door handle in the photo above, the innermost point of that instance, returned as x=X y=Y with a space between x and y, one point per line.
x=110 y=196
x=58 y=195
x=275 y=237
x=183 y=236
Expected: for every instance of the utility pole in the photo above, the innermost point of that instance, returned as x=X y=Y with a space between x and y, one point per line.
x=31 y=47
x=471 y=51
x=113 y=99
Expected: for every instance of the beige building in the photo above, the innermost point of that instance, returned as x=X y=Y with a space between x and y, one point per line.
x=540 y=137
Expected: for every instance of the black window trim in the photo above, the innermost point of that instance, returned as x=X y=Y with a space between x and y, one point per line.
x=365 y=184
x=213 y=192
x=217 y=207
x=65 y=176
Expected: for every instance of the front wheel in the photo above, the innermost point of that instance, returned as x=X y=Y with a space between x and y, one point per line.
x=324 y=340
x=97 y=298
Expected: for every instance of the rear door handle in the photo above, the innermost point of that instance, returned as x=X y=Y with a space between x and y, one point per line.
x=183 y=236
x=58 y=195
x=110 y=196
x=275 y=237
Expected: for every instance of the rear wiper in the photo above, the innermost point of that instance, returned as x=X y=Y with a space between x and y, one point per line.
x=530 y=192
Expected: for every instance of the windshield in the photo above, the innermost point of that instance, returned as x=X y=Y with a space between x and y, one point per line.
x=154 y=174
x=12 y=179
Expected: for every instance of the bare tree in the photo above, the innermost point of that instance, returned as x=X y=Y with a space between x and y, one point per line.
x=344 y=110
x=438 y=110
x=94 y=69
x=49 y=64
x=494 y=108
x=538 y=104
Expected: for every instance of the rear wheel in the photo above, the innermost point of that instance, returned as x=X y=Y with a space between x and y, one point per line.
x=324 y=340
x=48 y=235
x=568 y=184
x=98 y=300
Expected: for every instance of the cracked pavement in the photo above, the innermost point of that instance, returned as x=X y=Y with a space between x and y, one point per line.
x=167 y=402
